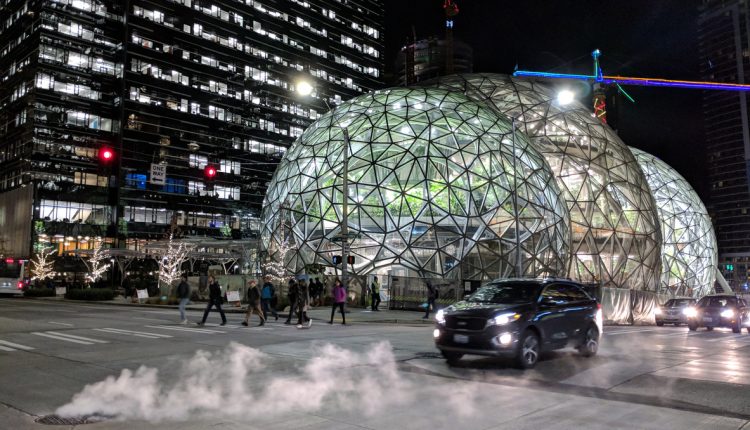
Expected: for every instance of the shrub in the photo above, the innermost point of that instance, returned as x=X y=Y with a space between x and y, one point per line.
x=39 y=292
x=90 y=294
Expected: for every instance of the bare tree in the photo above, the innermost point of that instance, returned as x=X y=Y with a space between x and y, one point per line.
x=43 y=262
x=97 y=264
x=170 y=263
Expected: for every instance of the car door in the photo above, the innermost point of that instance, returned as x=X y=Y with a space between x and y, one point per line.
x=580 y=312
x=551 y=316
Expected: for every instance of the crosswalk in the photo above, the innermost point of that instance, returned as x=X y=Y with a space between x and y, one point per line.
x=147 y=335
x=11 y=346
x=187 y=329
x=66 y=337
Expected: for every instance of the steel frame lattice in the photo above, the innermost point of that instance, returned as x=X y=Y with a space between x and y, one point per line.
x=616 y=239
x=432 y=177
x=689 y=251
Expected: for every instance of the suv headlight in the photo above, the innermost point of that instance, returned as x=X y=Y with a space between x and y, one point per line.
x=727 y=313
x=440 y=316
x=503 y=319
x=657 y=311
x=690 y=312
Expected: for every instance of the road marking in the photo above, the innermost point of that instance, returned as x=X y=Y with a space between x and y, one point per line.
x=69 y=337
x=133 y=333
x=148 y=319
x=59 y=323
x=627 y=332
x=2 y=348
x=15 y=345
x=188 y=329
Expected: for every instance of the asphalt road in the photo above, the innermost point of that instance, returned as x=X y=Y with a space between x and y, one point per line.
x=341 y=377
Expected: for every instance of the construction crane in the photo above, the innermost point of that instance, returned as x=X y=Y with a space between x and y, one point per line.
x=451 y=10
x=599 y=83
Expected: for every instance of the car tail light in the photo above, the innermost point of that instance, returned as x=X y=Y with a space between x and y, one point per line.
x=599 y=317
x=20 y=285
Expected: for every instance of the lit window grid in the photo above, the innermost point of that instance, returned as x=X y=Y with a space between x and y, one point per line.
x=432 y=185
x=689 y=251
x=616 y=239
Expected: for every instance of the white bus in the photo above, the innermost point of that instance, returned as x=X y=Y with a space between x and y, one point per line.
x=12 y=276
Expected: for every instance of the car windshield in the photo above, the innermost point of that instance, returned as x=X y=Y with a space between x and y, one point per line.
x=678 y=302
x=718 y=302
x=505 y=293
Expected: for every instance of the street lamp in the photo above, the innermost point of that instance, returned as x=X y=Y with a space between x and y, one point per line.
x=565 y=97
x=304 y=88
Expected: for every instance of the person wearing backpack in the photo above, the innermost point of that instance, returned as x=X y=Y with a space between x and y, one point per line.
x=183 y=293
x=253 y=303
x=339 y=298
x=266 y=297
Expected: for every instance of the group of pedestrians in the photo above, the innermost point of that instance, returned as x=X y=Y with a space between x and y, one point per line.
x=301 y=296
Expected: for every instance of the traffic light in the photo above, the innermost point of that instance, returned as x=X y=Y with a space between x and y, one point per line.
x=209 y=172
x=337 y=259
x=106 y=155
x=350 y=259
x=730 y=267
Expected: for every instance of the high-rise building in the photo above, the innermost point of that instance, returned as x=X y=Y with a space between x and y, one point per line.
x=724 y=43
x=123 y=119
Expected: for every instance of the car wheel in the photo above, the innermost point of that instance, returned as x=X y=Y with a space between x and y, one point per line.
x=529 y=349
x=590 y=344
x=709 y=328
x=692 y=327
x=748 y=329
x=737 y=327
x=660 y=323
x=451 y=357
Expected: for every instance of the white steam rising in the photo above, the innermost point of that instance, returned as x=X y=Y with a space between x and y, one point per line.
x=236 y=382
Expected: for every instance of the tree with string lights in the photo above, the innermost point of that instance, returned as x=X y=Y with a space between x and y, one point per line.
x=276 y=268
x=97 y=264
x=43 y=263
x=170 y=263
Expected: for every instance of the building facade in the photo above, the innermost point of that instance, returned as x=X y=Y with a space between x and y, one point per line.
x=724 y=44
x=171 y=89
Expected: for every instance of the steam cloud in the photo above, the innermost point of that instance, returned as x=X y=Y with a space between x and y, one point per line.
x=236 y=382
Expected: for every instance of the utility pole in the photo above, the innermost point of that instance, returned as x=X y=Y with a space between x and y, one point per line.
x=519 y=271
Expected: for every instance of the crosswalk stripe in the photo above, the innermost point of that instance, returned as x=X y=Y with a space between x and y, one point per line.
x=187 y=329
x=132 y=333
x=612 y=333
x=73 y=336
x=62 y=338
x=3 y=348
x=59 y=323
x=15 y=345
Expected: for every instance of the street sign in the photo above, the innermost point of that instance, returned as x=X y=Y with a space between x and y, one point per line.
x=352 y=236
x=158 y=173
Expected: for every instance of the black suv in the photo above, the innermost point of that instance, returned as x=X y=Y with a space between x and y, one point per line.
x=520 y=318
x=719 y=310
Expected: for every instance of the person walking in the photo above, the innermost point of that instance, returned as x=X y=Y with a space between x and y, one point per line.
x=375 y=291
x=183 y=293
x=214 y=299
x=292 y=296
x=339 y=298
x=303 y=303
x=266 y=297
x=253 y=303
x=432 y=295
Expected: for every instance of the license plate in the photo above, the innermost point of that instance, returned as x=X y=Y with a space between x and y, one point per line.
x=460 y=338
x=707 y=319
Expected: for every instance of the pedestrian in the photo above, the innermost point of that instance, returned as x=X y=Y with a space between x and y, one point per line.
x=183 y=293
x=267 y=294
x=253 y=303
x=375 y=291
x=313 y=286
x=291 y=294
x=303 y=302
x=432 y=295
x=214 y=299
x=339 y=298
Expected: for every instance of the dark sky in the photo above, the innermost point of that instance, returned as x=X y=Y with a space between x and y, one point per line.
x=654 y=38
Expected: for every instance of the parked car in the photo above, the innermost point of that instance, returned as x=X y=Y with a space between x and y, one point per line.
x=673 y=312
x=520 y=318
x=719 y=310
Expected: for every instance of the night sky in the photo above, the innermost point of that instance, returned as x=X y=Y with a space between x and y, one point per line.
x=655 y=38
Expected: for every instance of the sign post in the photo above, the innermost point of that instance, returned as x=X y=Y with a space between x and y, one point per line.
x=158 y=173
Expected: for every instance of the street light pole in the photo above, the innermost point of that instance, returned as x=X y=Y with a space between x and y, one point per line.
x=519 y=272
x=345 y=214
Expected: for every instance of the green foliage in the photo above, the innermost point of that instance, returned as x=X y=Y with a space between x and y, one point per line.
x=90 y=294
x=39 y=292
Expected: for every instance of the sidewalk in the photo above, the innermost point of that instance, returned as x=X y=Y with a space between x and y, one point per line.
x=354 y=315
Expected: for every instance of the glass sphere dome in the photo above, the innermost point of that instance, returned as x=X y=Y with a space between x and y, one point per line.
x=438 y=185
x=689 y=253
x=616 y=239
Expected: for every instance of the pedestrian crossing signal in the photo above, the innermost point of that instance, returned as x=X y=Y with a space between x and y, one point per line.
x=336 y=259
x=350 y=259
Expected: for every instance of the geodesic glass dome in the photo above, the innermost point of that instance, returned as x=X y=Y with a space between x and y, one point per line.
x=615 y=232
x=689 y=252
x=438 y=185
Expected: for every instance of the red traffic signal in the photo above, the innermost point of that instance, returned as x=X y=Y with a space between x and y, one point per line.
x=106 y=154
x=209 y=172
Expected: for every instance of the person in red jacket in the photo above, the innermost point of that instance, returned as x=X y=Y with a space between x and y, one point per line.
x=339 y=298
